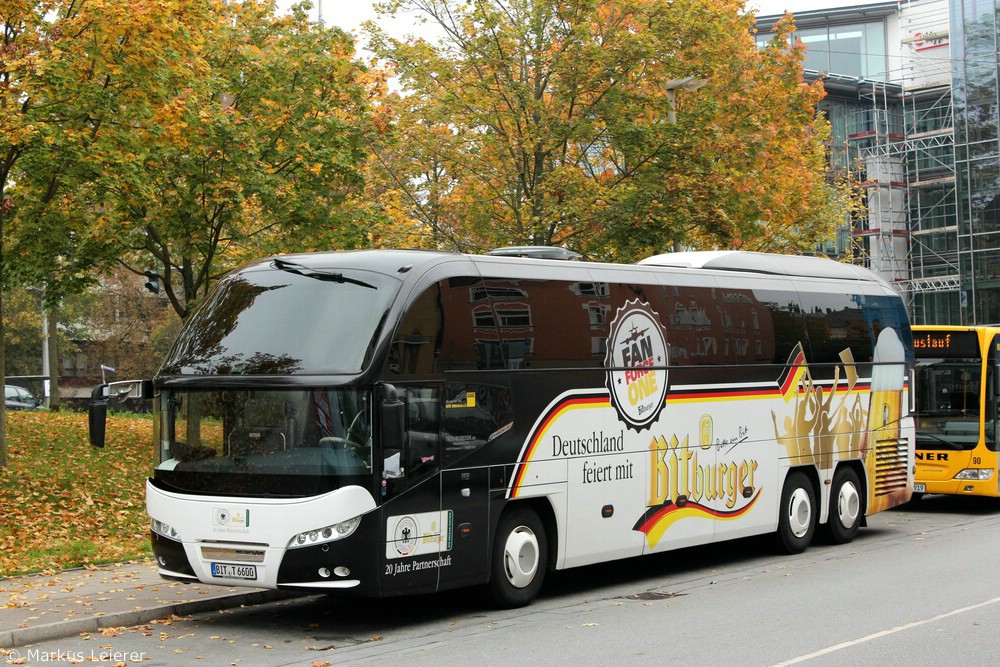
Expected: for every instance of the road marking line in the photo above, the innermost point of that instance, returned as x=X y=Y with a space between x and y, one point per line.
x=884 y=633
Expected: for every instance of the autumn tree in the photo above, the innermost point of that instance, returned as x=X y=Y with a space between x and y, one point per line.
x=559 y=123
x=260 y=154
x=70 y=72
x=749 y=171
x=24 y=331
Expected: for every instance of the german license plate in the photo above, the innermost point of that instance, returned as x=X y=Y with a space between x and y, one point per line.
x=920 y=488
x=230 y=571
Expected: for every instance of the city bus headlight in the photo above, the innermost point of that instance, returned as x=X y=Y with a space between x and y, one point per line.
x=161 y=528
x=337 y=531
x=980 y=474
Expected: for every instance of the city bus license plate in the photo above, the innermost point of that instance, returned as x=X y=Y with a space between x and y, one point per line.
x=229 y=571
x=920 y=488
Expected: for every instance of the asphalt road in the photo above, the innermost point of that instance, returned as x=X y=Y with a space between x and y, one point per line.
x=919 y=586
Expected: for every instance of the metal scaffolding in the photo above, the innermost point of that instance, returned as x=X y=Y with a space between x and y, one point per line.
x=901 y=148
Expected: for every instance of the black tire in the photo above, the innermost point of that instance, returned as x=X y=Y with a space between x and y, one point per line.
x=847 y=507
x=520 y=556
x=915 y=497
x=796 y=514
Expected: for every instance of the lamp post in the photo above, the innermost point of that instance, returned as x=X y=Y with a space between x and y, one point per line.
x=687 y=84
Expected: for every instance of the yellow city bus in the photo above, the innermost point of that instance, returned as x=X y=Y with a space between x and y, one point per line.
x=956 y=404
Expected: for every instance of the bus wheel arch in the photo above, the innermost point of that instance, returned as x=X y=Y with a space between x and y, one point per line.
x=520 y=556
x=797 y=512
x=847 y=505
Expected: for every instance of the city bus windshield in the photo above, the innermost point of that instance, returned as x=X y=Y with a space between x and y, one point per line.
x=948 y=403
x=263 y=442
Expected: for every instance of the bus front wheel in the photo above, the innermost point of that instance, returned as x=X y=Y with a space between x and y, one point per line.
x=846 y=506
x=797 y=514
x=520 y=554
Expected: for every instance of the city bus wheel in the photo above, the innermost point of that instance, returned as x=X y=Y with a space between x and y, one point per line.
x=797 y=514
x=520 y=554
x=846 y=506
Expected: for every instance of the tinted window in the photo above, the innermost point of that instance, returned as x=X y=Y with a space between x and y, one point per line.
x=835 y=323
x=785 y=313
x=540 y=323
x=444 y=329
x=423 y=417
x=884 y=311
x=271 y=322
x=473 y=416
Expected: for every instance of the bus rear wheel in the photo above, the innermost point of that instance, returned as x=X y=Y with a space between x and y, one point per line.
x=796 y=514
x=846 y=506
x=520 y=555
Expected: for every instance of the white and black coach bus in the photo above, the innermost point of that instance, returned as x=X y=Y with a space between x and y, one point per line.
x=391 y=422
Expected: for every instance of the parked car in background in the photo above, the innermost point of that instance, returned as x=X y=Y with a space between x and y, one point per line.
x=19 y=398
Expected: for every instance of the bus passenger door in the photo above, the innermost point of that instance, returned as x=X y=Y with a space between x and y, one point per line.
x=472 y=416
x=416 y=530
x=990 y=406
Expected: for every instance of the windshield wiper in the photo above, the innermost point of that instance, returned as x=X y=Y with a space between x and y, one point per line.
x=330 y=276
x=951 y=444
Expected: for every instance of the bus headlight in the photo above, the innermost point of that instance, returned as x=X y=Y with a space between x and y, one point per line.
x=337 y=531
x=980 y=474
x=161 y=528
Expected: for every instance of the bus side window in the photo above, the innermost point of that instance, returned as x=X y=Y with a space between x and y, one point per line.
x=422 y=430
x=474 y=415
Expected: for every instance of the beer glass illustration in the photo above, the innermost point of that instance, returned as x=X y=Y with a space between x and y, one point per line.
x=888 y=374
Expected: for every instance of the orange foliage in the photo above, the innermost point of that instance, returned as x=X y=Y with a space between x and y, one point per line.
x=67 y=504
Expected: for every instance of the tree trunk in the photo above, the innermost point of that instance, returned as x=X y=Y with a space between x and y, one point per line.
x=3 y=361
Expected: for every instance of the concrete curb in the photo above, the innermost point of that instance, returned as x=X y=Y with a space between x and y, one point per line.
x=59 y=630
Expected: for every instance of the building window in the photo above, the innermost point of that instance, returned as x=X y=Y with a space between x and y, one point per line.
x=599 y=345
x=481 y=293
x=590 y=289
x=856 y=49
x=483 y=318
x=597 y=314
x=514 y=317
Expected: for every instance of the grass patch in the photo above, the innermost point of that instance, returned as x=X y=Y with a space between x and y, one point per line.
x=66 y=504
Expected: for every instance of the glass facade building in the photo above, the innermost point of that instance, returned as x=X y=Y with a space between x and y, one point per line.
x=975 y=64
x=912 y=99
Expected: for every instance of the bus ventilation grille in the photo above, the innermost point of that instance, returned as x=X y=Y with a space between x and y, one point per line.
x=890 y=466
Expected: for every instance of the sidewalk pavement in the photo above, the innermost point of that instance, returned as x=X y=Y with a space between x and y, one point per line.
x=52 y=605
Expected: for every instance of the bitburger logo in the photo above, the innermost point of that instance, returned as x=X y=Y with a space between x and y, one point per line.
x=636 y=364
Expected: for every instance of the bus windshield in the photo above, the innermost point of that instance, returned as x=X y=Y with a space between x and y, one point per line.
x=284 y=320
x=948 y=400
x=263 y=442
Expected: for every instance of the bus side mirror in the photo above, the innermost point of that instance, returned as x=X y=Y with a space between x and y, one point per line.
x=98 y=415
x=117 y=391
